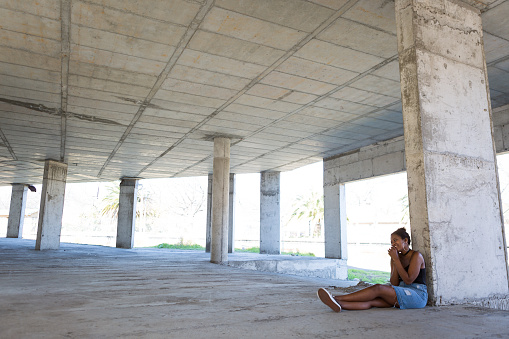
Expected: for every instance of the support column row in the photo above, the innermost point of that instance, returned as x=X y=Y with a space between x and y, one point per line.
x=335 y=224
x=231 y=214
x=270 y=219
x=52 y=206
x=17 y=211
x=270 y=228
x=220 y=201
x=126 y=221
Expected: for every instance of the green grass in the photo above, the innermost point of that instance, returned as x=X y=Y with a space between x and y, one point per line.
x=374 y=277
x=257 y=250
x=248 y=250
x=181 y=246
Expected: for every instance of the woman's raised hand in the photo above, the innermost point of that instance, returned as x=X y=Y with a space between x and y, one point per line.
x=393 y=252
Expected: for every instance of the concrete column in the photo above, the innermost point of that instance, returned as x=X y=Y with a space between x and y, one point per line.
x=52 y=205
x=17 y=211
x=127 y=212
x=231 y=215
x=453 y=185
x=220 y=190
x=334 y=205
x=209 y=215
x=270 y=221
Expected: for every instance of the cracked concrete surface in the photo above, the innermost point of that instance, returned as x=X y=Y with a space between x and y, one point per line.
x=92 y=291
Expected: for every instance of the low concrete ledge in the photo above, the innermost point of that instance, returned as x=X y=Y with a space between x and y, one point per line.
x=498 y=302
x=293 y=265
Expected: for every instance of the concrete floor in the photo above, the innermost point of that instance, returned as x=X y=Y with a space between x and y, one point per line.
x=83 y=291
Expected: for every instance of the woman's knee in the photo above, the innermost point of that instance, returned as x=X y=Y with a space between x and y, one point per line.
x=383 y=290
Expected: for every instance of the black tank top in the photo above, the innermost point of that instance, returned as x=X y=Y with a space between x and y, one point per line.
x=421 y=278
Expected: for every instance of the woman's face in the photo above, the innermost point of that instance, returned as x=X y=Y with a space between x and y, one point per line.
x=398 y=242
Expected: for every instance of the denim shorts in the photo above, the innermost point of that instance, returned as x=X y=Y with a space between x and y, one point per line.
x=411 y=296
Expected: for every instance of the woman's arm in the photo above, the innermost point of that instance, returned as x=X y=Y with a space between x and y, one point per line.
x=413 y=269
x=394 y=275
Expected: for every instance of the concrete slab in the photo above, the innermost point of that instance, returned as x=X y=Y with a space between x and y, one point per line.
x=299 y=15
x=348 y=33
x=107 y=19
x=334 y=55
x=85 y=291
x=111 y=59
x=178 y=11
x=233 y=48
x=217 y=64
x=316 y=71
x=374 y=13
x=254 y=30
x=293 y=265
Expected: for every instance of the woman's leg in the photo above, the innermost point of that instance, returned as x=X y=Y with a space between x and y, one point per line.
x=364 y=305
x=382 y=292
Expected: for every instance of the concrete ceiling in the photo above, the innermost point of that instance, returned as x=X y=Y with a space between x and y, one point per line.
x=140 y=88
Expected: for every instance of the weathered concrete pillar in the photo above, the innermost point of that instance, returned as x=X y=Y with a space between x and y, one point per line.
x=209 y=215
x=270 y=223
x=52 y=205
x=453 y=185
x=220 y=190
x=231 y=215
x=17 y=211
x=334 y=220
x=127 y=212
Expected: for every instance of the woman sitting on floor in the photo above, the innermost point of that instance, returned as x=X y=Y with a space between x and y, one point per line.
x=408 y=282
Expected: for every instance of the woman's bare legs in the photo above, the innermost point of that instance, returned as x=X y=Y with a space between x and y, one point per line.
x=373 y=296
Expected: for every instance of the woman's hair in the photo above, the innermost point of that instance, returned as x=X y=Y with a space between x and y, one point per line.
x=403 y=234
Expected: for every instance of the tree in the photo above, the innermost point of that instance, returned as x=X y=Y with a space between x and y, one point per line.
x=404 y=210
x=312 y=209
x=189 y=199
x=110 y=201
x=143 y=207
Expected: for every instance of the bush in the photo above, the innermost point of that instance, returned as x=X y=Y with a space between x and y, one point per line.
x=257 y=250
x=181 y=246
x=373 y=277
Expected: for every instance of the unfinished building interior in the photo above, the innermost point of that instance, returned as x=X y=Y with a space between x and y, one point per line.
x=102 y=90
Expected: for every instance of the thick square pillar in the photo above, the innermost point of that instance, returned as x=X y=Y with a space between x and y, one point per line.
x=127 y=212
x=231 y=215
x=453 y=189
x=17 y=211
x=209 y=215
x=52 y=206
x=270 y=220
x=220 y=201
x=334 y=218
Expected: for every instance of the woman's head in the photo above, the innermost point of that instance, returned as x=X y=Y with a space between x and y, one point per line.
x=400 y=237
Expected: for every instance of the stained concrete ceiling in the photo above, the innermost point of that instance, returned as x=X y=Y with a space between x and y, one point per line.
x=140 y=88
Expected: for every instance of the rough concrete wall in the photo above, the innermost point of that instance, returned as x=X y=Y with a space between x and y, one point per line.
x=388 y=157
x=335 y=224
x=501 y=128
x=270 y=223
x=126 y=213
x=383 y=158
x=452 y=179
x=52 y=206
x=17 y=211
x=209 y=215
x=231 y=214
x=220 y=201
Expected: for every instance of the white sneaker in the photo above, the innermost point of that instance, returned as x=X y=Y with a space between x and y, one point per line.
x=328 y=299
